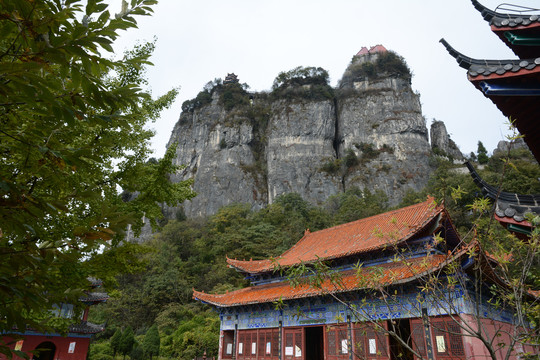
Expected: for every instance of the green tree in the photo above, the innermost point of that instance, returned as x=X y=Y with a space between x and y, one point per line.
x=115 y=341
x=356 y=204
x=151 y=342
x=72 y=133
x=482 y=153
x=301 y=76
x=127 y=342
x=137 y=353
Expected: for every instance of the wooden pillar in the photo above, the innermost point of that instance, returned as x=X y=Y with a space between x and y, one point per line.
x=235 y=337
x=220 y=345
x=350 y=337
x=427 y=334
x=85 y=313
x=280 y=338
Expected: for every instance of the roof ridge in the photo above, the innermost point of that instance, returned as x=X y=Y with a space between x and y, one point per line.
x=427 y=207
x=429 y=199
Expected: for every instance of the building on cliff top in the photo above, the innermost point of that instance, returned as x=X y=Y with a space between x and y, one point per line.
x=54 y=346
x=388 y=267
x=231 y=78
x=514 y=87
x=373 y=50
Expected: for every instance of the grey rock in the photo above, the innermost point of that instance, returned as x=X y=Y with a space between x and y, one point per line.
x=388 y=121
x=503 y=146
x=232 y=161
x=441 y=142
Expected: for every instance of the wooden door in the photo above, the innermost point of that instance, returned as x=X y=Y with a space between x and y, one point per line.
x=293 y=341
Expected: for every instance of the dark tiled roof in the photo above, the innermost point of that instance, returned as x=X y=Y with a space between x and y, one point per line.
x=517 y=31
x=86 y=328
x=513 y=86
x=361 y=236
x=506 y=20
x=510 y=205
x=483 y=68
x=94 y=282
x=91 y=297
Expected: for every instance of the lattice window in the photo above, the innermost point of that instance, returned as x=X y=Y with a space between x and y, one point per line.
x=359 y=343
x=262 y=343
x=228 y=339
x=455 y=339
x=241 y=345
x=289 y=339
x=440 y=337
x=382 y=343
x=331 y=341
x=342 y=341
x=294 y=346
x=298 y=345
x=418 y=338
x=275 y=343
x=371 y=343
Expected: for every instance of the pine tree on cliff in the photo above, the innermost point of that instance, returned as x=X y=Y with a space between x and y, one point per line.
x=482 y=153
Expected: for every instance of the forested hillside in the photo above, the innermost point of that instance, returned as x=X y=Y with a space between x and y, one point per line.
x=189 y=254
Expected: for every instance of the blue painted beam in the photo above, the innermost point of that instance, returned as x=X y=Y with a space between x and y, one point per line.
x=509 y=90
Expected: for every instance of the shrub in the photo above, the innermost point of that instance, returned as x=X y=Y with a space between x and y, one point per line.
x=369 y=151
x=331 y=166
x=350 y=159
x=301 y=76
x=303 y=83
x=388 y=64
x=204 y=97
x=232 y=95
x=100 y=351
x=222 y=143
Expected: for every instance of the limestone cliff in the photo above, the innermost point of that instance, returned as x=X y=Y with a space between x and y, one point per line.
x=304 y=137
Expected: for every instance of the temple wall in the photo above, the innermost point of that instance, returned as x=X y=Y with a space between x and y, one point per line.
x=78 y=345
x=493 y=329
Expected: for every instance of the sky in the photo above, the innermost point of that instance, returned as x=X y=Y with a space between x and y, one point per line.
x=200 y=40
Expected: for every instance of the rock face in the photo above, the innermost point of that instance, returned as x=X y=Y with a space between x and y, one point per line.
x=368 y=133
x=382 y=124
x=215 y=147
x=441 y=142
x=503 y=146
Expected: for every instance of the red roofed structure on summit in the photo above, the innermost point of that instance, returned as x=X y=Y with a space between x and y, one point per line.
x=373 y=50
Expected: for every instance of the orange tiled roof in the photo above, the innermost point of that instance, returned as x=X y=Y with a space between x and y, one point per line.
x=356 y=237
x=369 y=277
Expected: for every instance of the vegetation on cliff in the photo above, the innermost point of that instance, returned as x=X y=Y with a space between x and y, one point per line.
x=310 y=83
x=230 y=96
x=387 y=64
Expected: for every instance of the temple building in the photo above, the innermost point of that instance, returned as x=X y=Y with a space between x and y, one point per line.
x=404 y=272
x=54 y=346
x=511 y=209
x=231 y=78
x=514 y=87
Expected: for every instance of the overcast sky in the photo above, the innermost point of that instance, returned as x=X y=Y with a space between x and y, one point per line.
x=200 y=40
